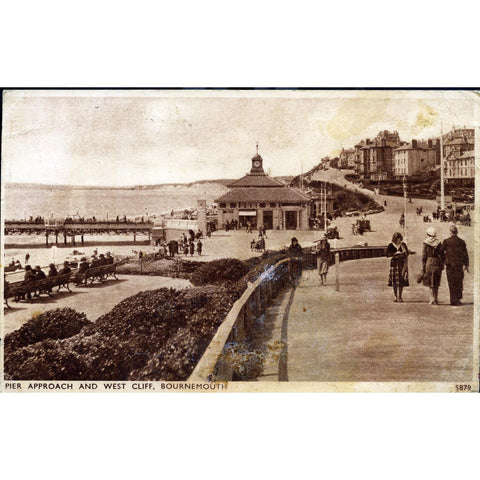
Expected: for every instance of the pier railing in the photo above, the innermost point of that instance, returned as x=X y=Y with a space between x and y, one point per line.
x=240 y=322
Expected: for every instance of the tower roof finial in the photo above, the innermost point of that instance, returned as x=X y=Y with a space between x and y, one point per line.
x=257 y=147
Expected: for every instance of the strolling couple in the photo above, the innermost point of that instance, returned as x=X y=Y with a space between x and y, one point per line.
x=451 y=253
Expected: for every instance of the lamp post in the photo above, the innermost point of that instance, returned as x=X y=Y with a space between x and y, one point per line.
x=325 y=206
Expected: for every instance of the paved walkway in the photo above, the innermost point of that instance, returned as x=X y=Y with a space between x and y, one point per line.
x=360 y=334
x=96 y=300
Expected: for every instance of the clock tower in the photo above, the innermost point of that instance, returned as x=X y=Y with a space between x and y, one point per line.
x=257 y=164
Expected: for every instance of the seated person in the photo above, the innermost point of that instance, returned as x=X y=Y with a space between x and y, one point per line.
x=6 y=286
x=28 y=278
x=109 y=259
x=102 y=260
x=66 y=268
x=39 y=274
x=53 y=271
x=94 y=262
x=29 y=275
x=84 y=266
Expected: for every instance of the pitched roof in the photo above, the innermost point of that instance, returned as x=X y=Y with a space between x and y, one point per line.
x=252 y=180
x=409 y=146
x=252 y=194
x=460 y=141
x=467 y=154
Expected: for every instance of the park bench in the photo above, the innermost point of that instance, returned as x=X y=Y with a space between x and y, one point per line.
x=18 y=290
x=100 y=273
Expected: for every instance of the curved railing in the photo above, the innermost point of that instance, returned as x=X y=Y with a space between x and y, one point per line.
x=240 y=321
x=347 y=253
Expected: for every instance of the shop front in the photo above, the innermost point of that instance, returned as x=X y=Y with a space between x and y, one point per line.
x=246 y=216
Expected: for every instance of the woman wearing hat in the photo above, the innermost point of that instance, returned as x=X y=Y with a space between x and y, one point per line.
x=432 y=262
x=323 y=257
x=398 y=277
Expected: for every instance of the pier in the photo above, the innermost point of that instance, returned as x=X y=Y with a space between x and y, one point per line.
x=56 y=232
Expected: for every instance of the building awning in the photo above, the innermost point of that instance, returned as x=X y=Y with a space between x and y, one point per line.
x=247 y=213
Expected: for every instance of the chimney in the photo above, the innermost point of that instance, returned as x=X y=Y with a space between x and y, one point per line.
x=414 y=143
x=430 y=144
x=367 y=141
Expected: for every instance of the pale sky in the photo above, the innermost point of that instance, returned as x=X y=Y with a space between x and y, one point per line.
x=119 y=138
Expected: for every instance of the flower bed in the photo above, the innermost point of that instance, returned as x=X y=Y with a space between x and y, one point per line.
x=153 y=335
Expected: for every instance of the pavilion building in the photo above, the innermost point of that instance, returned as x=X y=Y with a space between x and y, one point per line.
x=259 y=199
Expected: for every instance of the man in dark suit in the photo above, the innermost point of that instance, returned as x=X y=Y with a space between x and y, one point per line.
x=456 y=260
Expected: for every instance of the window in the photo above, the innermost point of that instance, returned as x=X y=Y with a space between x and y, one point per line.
x=233 y=205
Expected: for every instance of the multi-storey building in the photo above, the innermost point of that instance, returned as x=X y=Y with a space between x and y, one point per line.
x=460 y=169
x=381 y=161
x=347 y=158
x=413 y=158
x=390 y=139
x=458 y=146
x=373 y=159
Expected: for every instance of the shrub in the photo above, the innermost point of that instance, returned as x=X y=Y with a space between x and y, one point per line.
x=53 y=324
x=219 y=271
x=152 y=335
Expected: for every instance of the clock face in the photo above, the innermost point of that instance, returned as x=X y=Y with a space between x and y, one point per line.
x=256 y=163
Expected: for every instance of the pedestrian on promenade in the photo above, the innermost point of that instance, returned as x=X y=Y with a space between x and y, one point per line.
x=192 y=247
x=456 y=261
x=199 y=248
x=249 y=227
x=323 y=257
x=295 y=252
x=398 y=277
x=432 y=264
x=27 y=258
x=185 y=248
x=402 y=220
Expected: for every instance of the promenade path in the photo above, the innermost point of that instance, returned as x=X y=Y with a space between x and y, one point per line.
x=360 y=334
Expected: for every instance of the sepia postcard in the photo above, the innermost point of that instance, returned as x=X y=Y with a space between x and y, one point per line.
x=240 y=240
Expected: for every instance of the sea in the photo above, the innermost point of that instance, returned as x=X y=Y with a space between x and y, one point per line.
x=25 y=200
